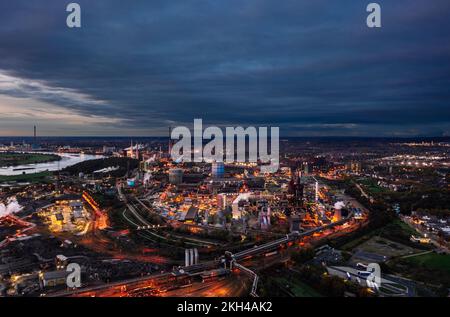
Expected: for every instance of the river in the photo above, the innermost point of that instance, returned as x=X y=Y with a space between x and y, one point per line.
x=66 y=160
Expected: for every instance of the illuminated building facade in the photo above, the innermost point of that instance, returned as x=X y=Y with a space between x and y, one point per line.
x=217 y=170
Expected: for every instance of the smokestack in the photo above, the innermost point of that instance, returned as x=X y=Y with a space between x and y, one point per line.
x=317 y=192
x=170 y=140
x=131 y=149
x=186 y=257
x=34 y=134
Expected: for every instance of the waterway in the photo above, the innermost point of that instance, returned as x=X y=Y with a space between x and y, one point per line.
x=66 y=160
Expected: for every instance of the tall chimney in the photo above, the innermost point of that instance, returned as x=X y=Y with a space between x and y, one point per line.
x=317 y=192
x=170 y=140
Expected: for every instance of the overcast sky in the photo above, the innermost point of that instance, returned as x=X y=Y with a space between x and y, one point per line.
x=313 y=68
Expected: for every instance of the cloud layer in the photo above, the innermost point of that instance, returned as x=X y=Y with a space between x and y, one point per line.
x=310 y=67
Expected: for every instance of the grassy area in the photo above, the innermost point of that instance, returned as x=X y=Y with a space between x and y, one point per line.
x=385 y=247
x=298 y=289
x=354 y=243
x=15 y=159
x=372 y=186
x=432 y=269
x=397 y=231
x=26 y=178
x=405 y=227
x=432 y=261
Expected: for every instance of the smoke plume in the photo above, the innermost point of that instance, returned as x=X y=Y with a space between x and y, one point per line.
x=11 y=207
x=339 y=205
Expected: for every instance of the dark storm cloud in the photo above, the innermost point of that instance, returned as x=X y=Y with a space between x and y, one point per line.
x=310 y=67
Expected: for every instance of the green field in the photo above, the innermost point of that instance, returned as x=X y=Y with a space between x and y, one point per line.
x=26 y=178
x=432 y=261
x=15 y=159
x=405 y=227
x=372 y=186
x=397 y=231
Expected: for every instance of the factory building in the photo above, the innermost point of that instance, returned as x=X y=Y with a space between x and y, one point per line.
x=175 y=176
x=295 y=223
x=191 y=215
x=264 y=218
x=52 y=278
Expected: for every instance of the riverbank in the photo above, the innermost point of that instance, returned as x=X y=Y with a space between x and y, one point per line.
x=26 y=178
x=15 y=159
x=62 y=161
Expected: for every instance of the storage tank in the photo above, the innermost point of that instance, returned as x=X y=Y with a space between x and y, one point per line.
x=176 y=176
x=217 y=170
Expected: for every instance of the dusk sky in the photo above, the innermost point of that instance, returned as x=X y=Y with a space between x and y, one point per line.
x=312 y=68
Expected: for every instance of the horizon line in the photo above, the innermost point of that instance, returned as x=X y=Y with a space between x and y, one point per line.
x=281 y=136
